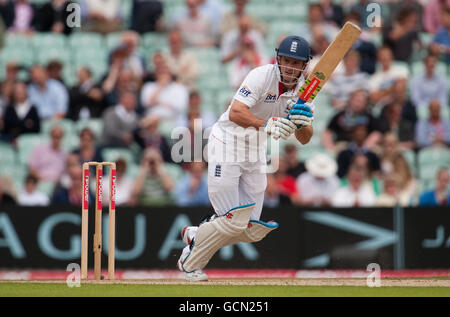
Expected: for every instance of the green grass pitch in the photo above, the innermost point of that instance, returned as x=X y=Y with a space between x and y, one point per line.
x=138 y=290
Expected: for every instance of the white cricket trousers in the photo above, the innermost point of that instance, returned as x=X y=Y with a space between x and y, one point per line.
x=235 y=184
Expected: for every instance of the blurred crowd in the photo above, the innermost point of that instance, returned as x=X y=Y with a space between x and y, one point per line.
x=379 y=108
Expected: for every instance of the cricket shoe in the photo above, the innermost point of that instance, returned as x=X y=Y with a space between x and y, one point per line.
x=194 y=276
x=187 y=234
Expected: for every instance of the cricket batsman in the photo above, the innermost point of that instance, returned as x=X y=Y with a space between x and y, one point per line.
x=264 y=104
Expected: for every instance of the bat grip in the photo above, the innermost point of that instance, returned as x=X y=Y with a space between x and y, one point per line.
x=299 y=101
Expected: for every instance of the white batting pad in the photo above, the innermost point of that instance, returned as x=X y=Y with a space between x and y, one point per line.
x=215 y=234
x=256 y=231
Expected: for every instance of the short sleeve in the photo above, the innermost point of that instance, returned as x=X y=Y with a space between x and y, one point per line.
x=249 y=92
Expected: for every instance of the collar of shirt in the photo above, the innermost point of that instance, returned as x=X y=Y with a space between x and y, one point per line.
x=124 y=114
x=22 y=109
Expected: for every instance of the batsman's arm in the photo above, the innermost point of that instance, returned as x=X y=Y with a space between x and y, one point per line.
x=304 y=134
x=241 y=115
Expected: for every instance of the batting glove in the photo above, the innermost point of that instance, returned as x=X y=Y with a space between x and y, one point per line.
x=279 y=127
x=301 y=114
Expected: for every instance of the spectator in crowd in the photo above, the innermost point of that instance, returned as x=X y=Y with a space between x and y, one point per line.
x=148 y=136
x=272 y=194
x=435 y=130
x=20 y=116
x=53 y=16
x=23 y=17
x=117 y=82
x=393 y=162
x=396 y=7
x=364 y=45
x=231 y=18
x=182 y=63
x=47 y=161
x=196 y=111
x=147 y=16
x=164 y=98
x=341 y=126
x=196 y=27
x=432 y=18
x=356 y=147
x=72 y=159
x=243 y=64
x=390 y=196
x=214 y=10
x=287 y=186
x=440 y=195
x=157 y=62
x=192 y=189
x=88 y=151
x=30 y=194
x=381 y=84
x=232 y=42
x=85 y=98
x=358 y=192
x=441 y=40
x=54 y=70
x=127 y=55
x=7 y=12
x=436 y=85
x=120 y=122
x=401 y=97
x=153 y=185
x=342 y=85
x=392 y=120
x=102 y=16
x=317 y=24
x=6 y=195
x=48 y=95
x=403 y=35
x=124 y=184
x=7 y=85
x=332 y=12
x=72 y=194
x=294 y=166
x=319 y=183
x=320 y=43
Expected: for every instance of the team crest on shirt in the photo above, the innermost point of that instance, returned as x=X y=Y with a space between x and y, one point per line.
x=271 y=97
x=244 y=91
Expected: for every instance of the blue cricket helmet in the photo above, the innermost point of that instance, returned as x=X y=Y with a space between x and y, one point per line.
x=294 y=46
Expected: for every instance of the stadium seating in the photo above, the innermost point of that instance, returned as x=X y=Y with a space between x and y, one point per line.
x=112 y=154
x=430 y=160
x=418 y=68
x=410 y=157
x=46 y=187
x=26 y=144
x=96 y=125
x=7 y=153
x=174 y=171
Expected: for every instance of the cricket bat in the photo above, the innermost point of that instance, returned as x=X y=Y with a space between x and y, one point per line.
x=334 y=53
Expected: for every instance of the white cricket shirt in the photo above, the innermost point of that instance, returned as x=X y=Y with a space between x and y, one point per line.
x=265 y=96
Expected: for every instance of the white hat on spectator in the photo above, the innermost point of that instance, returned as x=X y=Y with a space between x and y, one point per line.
x=321 y=165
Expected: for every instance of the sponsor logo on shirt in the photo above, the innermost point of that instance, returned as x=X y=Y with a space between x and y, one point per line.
x=271 y=97
x=244 y=91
